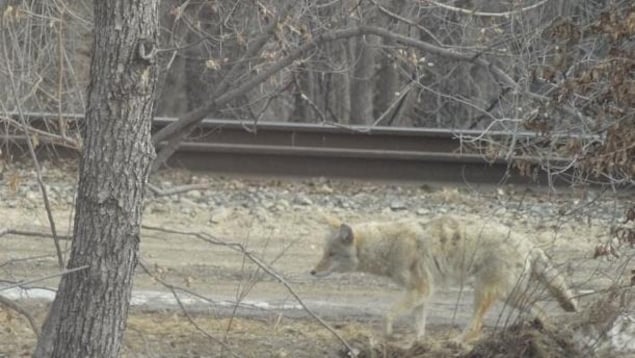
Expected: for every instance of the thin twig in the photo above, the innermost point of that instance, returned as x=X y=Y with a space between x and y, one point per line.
x=270 y=271
x=176 y=190
x=26 y=259
x=173 y=289
x=15 y=307
x=43 y=278
x=44 y=136
x=402 y=94
x=6 y=231
x=488 y=14
x=314 y=107
x=406 y=21
x=38 y=170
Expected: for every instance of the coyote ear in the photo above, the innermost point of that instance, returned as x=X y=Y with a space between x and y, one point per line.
x=346 y=234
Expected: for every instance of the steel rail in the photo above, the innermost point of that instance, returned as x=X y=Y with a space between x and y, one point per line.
x=248 y=125
x=298 y=149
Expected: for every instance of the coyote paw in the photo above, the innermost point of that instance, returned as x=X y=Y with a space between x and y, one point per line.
x=400 y=341
x=389 y=333
x=468 y=336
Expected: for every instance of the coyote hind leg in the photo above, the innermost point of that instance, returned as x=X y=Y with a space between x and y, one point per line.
x=483 y=301
x=524 y=303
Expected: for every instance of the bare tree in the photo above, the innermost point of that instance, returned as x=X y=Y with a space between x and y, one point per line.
x=488 y=65
x=88 y=316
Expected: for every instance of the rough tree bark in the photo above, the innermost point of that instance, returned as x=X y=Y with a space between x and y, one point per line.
x=88 y=316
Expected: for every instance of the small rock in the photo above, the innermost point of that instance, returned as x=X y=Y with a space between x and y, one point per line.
x=324 y=189
x=303 y=200
x=32 y=195
x=343 y=203
x=236 y=184
x=220 y=214
x=397 y=205
x=187 y=201
x=423 y=211
x=260 y=214
x=283 y=204
x=158 y=209
x=194 y=194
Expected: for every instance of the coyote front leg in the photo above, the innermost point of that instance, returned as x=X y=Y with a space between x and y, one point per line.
x=413 y=299
x=421 y=313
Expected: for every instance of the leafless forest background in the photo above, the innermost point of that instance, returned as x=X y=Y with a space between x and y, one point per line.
x=563 y=69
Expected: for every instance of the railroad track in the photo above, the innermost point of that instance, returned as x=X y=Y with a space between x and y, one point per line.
x=314 y=150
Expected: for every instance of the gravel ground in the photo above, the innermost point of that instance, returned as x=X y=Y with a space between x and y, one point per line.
x=279 y=221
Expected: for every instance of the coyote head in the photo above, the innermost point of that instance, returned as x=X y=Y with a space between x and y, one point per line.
x=340 y=252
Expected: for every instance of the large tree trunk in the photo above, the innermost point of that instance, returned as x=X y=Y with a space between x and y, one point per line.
x=88 y=316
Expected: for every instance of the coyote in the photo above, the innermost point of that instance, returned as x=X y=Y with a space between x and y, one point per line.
x=421 y=255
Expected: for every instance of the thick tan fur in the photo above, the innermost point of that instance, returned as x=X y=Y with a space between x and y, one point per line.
x=421 y=255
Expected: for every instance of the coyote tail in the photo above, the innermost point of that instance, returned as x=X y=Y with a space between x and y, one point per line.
x=553 y=281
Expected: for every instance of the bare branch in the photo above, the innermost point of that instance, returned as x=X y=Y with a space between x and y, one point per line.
x=7 y=231
x=445 y=52
x=179 y=129
x=389 y=13
x=254 y=49
x=43 y=278
x=172 y=289
x=36 y=163
x=44 y=135
x=14 y=306
x=489 y=14
x=266 y=268
x=177 y=190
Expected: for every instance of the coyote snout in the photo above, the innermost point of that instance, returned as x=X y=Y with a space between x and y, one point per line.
x=340 y=255
x=421 y=255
